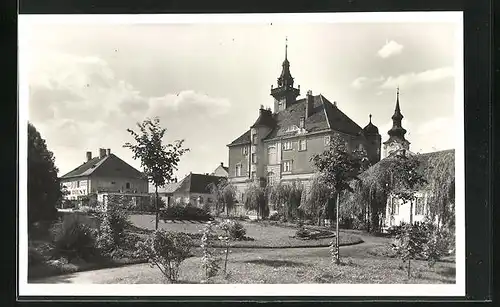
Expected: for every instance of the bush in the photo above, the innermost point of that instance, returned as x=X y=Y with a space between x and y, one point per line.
x=166 y=250
x=73 y=239
x=188 y=212
x=114 y=222
x=302 y=233
x=276 y=216
x=235 y=229
x=34 y=256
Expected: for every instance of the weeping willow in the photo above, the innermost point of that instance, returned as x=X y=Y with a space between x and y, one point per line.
x=440 y=176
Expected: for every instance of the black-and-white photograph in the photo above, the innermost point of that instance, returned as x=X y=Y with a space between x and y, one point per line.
x=321 y=151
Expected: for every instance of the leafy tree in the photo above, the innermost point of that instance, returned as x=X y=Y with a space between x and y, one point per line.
x=44 y=188
x=225 y=195
x=157 y=159
x=337 y=166
x=256 y=199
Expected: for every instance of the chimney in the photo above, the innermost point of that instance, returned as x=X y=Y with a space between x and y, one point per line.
x=89 y=156
x=222 y=164
x=335 y=104
x=309 y=103
x=108 y=151
x=102 y=152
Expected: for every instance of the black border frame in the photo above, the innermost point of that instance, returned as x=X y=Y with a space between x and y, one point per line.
x=477 y=111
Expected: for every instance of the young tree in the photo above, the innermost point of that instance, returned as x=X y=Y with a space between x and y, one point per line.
x=338 y=167
x=407 y=180
x=225 y=195
x=256 y=199
x=44 y=188
x=157 y=159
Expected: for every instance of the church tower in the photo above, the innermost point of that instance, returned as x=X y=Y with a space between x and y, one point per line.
x=397 y=133
x=285 y=94
x=374 y=139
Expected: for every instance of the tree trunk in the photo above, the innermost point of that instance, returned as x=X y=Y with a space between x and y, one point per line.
x=337 y=260
x=156 y=207
x=411 y=212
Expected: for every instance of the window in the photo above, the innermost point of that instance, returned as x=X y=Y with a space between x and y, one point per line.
x=237 y=170
x=254 y=158
x=271 y=155
x=419 y=206
x=287 y=145
x=394 y=206
x=244 y=150
x=287 y=166
x=327 y=140
x=302 y=145
x=302 y=123
x=254 y=138
x=78 y=184
x=127 y=185
x=270 y=177
x=254 y=175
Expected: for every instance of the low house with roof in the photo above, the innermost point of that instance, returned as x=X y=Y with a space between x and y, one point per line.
x=104 y=175
x=221 y=171
x=194 y=189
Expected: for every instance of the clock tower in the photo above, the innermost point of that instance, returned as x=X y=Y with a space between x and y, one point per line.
x=397 y=133
x=285 y=94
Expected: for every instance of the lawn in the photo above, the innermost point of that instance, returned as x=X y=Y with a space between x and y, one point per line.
x=261 y=235
x=301 y=265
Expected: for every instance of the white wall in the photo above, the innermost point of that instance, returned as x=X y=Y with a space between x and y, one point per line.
x=402 y=213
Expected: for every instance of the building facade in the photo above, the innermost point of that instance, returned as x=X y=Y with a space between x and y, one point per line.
x=105 y=173
x=281 y=142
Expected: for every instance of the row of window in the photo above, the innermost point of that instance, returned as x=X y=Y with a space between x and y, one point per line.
x=419 y=206
x=287 y=167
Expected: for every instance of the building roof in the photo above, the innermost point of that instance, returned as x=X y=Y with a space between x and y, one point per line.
x=109 y=166
x=197 y=183
x=169 y=188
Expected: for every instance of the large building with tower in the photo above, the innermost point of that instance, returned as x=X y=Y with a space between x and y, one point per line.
x=278 y=146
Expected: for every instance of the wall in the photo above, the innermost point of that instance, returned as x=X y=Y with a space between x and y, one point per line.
x=404 y=212
x=118 y=184
x=236 y=156
x=76 y=187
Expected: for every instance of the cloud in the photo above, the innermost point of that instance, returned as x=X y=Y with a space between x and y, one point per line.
x=389 y=49
x=80 y=104
x=363 y=82
x=411 y=79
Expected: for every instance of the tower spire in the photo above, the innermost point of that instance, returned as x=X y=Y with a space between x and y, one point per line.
x=286 y=47
x=397 y=131
x=370 y=118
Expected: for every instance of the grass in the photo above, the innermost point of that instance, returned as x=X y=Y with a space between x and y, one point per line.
x=263 y=235
x=281 y=266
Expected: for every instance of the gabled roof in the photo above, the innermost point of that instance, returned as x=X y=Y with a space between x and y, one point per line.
x=107 y=166
x=338 y=120
x=197 y=183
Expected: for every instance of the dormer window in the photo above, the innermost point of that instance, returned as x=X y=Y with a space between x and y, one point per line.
x=302 y=123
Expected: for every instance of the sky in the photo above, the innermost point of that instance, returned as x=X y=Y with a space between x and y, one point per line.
x=88 y=83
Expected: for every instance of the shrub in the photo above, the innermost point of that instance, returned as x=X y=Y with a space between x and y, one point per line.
x=166 y=250
x=188 y=212
x=236 y=230
x=276 y=216
x=34 y=256
x=302 y=233
x=73 y=239
x=114 y=222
